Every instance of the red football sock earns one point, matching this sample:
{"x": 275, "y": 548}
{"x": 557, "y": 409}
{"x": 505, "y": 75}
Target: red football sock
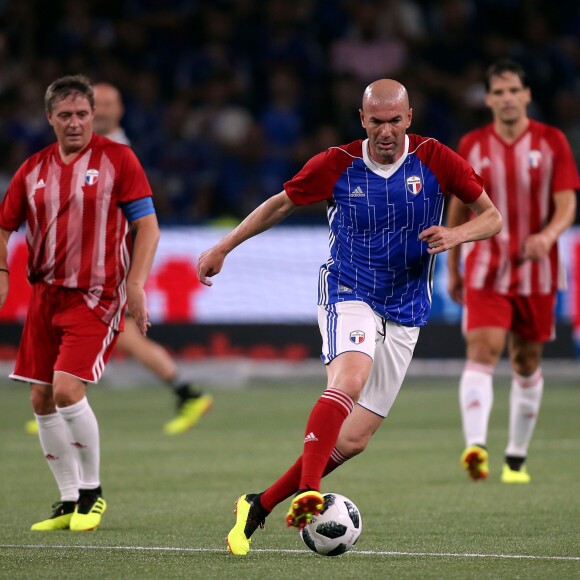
{"x": 322, "y": 431}
{"x": 282, "y": 488}
{"x": 289, "y": 483}
{"x": 336, "y": 405}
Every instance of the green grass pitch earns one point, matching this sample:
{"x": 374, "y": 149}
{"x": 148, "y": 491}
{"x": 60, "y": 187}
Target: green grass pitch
{"x": 170, "y": 499}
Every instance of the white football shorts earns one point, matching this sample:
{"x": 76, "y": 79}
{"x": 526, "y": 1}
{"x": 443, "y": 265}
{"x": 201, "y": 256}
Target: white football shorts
{"x": 353, "y": 326}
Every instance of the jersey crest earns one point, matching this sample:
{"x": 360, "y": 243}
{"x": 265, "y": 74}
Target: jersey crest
{"x": 91, "y": 176}
{"x": 414, "y": 184}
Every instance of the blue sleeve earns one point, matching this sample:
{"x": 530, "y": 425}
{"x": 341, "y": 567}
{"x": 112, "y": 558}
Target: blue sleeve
{"x": 138, "y": 208}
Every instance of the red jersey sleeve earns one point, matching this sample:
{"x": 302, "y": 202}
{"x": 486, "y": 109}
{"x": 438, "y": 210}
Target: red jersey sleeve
{"x": 565, "y": 174}
{"x": 316, "y": 180}
{"x": 13, "y": 206}
{"x": 133, "y": 183}
{"x": 312, "y": 183}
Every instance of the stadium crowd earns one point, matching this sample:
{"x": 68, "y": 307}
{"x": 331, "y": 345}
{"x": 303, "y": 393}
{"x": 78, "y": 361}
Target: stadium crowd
{"x": 225, "y": 100}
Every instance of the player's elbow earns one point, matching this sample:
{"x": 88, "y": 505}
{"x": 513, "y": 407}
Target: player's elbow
{"x": 493, "y": 222}
{"x": 497, "y": 222}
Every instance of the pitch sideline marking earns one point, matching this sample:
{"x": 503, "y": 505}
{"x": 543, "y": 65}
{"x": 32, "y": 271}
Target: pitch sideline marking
{"x": 276, "y": 551}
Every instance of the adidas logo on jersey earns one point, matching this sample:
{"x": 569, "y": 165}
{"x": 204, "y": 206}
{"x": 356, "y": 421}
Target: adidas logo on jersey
{"x": 40, "y": 183}
{"x": 357, "y": 192}
{"x": 310, "y": 438}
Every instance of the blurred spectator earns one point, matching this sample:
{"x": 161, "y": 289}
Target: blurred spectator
{"x": 367, "y": 51}
{"x": 227, "y": 127}
{"x": 282, "y": 121}
{"x": 213, "y": 52}
{"x": 452, "y": 59}
{"x": 343, "y": 105}
{"x": 550, "y": 68}
{"x": 182, "y": 168}
{"x": 403, "y": 19}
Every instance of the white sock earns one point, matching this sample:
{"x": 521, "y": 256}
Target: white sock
{"x": 84, "y": 436}
{"x": 475, "y": 401}
{"x": 525, "y": 399}
{"x": 60, "y": 456}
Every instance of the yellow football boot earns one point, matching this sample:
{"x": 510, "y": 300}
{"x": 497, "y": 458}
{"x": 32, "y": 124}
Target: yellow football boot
{"x": 475, "y": 461}
{"x": 512, "y": 476}
{"x": 60, "y": 518}
{"x": 250, "y": 515}
{"x": 304, "y": 505}
{"x": 88, "y": 513}
{"x": 189, "y": 414}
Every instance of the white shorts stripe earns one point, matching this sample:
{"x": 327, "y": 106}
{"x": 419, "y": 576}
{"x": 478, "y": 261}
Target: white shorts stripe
{"x": 99, "y": 365}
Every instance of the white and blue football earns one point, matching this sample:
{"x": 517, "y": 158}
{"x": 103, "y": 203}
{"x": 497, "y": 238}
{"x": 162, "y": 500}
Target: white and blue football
{"x": 336, "y": 529}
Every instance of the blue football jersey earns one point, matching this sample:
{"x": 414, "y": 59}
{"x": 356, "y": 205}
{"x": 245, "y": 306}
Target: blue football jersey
{"x": 375, "y": 214}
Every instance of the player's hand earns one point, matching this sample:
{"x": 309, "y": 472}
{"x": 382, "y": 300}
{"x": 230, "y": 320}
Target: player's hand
{"x": 455, "y": 285}
{"x": 209, "y": 264}
{"x": 137, "y": 305}
{"x": 538, "y": 246}
{"x": 4, "y": 287}
{"x": 440, "y": 239}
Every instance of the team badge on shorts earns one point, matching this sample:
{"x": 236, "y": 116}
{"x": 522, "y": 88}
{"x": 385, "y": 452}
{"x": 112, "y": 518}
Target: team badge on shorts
{"x": 414, "y": 184}
{"x": 91, "y": 176}
{"x": 357, "y": 336}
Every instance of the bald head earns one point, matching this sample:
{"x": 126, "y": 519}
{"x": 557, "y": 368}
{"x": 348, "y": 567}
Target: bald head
{"x": 386, "y": 116}
{"x": 108, "y": 108}
{"x": 385, "y": 91}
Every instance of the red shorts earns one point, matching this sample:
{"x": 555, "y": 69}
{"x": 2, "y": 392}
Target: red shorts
{"x": 62, "y": 333}
{"x": 530, "y": 317}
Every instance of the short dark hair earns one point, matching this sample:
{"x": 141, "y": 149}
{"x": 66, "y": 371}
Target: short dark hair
{"x": 502, "y": 66}
{"x": 63, "y": 87}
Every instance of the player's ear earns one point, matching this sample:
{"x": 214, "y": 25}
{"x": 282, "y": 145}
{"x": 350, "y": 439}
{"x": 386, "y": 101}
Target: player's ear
{"x": 409, "y": 117}
{"x": 362, "y": 118}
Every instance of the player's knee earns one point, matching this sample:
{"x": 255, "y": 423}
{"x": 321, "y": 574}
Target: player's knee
{"x": 67, "y": 390}
{"x": 65, "y": 397}
{"x": 352, "y": 384}
{"x": 485, "y": 354}
{"x": 42, "y": 401}
{"x": 525, "y": 358}
{"x": 525, "y": 366}
{"x": 352, "y": 446}
{"x": 349, "y": 372}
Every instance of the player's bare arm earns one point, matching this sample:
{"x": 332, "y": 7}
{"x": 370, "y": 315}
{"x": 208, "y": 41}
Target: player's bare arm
{"x": 4, "y": 276}
{"x": 266, "y": 215}
{"x": 487, "y": 223}
{"x": 146, "y": 232}
{"x": 457, "y": 213}
{"x": 539, "y": 245}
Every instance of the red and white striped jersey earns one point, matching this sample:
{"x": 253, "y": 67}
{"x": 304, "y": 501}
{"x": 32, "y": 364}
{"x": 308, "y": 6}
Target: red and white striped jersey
{"x": 76, "y": 231}
{"x": 521, "y": 179}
